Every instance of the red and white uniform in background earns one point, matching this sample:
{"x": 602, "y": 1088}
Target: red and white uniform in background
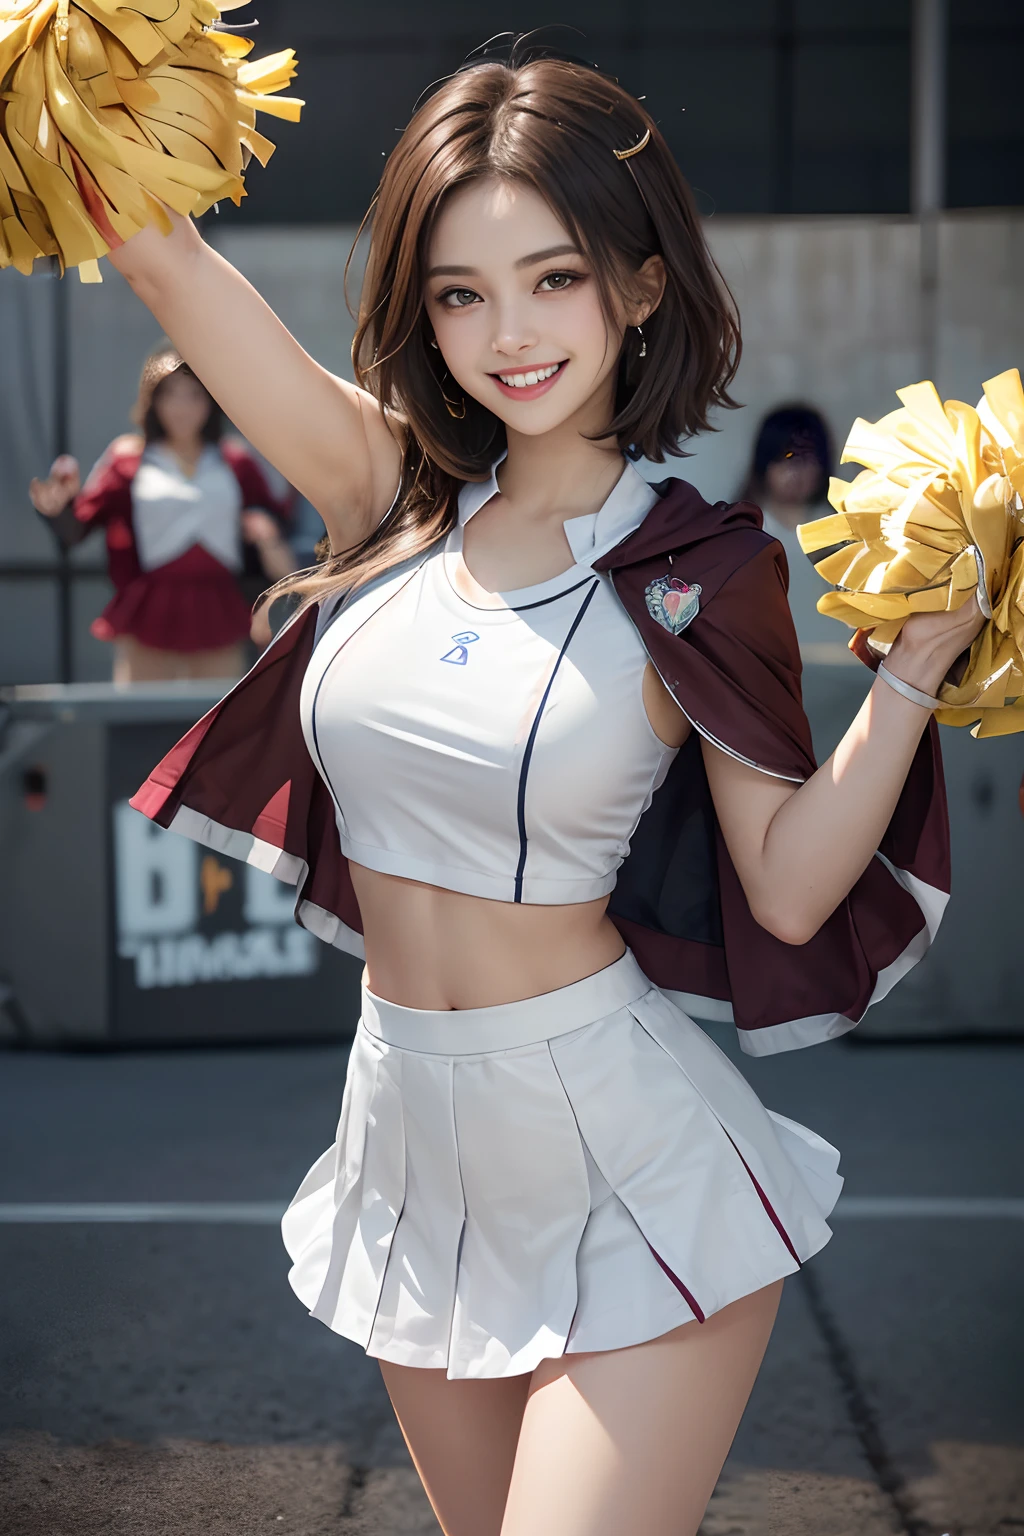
{"x": 174, "y": 542}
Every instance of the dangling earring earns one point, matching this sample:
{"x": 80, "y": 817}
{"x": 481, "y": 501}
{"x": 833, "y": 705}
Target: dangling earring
{"x": 643, "y": 344}
{"x": 458, "y": 411}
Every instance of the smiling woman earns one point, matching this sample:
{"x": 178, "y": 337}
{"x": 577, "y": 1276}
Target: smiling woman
{"x": 534, "y": 746}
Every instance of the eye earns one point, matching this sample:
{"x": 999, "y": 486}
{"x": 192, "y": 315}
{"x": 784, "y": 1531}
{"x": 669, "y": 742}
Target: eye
{"x": 457, "y": 298}
{"x": 557, "y": 282}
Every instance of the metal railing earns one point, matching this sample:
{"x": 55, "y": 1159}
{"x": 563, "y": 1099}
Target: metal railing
{"x": 63, "y": 573}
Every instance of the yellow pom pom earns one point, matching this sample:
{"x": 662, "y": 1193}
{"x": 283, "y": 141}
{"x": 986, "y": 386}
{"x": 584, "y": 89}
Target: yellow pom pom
{"x": 935, "y": 517}
{"x": 114, "y": 110}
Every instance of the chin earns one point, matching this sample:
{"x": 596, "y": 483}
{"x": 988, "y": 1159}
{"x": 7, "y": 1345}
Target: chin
{"x": 535, "y": 422}
{"x": 532, "y": 427}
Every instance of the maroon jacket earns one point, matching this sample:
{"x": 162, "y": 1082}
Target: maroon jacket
{"x": 242, "y": 782}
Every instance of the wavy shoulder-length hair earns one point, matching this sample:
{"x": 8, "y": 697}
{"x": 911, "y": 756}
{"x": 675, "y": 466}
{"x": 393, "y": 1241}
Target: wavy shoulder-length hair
{"x": 557, "y": 127}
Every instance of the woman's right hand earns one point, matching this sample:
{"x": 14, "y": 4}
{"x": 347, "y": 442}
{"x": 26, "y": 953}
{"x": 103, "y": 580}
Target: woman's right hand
{"x": 62, "y": 484}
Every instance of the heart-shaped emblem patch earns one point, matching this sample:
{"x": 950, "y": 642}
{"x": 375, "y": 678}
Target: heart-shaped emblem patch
{"x": 672, "y": 602}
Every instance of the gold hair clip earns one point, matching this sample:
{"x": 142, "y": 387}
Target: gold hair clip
{"x": 627, "y": 154}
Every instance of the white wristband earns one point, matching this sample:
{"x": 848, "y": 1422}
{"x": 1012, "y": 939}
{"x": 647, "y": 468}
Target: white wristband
{"x": 908, "y": 690}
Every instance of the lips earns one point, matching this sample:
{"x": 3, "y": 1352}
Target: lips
{"x": 544, "y": 380}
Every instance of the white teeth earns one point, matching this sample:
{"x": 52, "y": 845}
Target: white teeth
{"x": 524, "y": 380}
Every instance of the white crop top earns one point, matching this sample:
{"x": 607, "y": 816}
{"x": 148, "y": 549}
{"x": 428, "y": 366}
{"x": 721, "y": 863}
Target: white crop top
{"x": 502, "y": 751}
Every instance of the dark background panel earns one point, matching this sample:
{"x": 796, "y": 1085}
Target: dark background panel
{"x": 772, "y": 106}
{"x": 326, "y": 169}
{"x": 984, "y": 13}
{"x": 986, "y": 120}
{"x": 469, "y": 23}
{"x": 716, "y": 103}
{"x": 851, "y": 127}
{"x": 852, "y": 16}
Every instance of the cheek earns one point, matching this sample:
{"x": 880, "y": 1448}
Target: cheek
{"x": 463, "y": 346}
{"x": 776, "y": 479}
{"x": 585, "y": 328}
{"x": 193, "y": 413}
{"x": 458, "y": 330}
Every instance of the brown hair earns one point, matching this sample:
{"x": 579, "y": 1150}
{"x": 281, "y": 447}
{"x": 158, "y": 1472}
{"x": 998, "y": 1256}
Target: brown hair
{"x": 555, "y": 126}
{"x": 158, "y": 367}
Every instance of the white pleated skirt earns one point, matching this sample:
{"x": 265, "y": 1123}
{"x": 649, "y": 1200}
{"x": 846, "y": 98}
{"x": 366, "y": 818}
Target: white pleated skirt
{"x": 583, "y": 1170}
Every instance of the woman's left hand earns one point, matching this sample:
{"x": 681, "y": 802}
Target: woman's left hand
{"x": 276, "y": 555}
{"x": 259, "y": 528}
{"x": 929, "y": 643}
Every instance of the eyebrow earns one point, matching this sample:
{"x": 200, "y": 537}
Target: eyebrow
{"x": 524, "y": 261}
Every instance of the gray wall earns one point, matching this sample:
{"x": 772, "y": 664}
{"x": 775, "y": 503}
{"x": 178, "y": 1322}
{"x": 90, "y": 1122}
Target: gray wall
{"x": 831, "y": 314}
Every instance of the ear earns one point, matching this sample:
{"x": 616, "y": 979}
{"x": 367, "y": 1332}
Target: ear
{"x": 649, "y": 283}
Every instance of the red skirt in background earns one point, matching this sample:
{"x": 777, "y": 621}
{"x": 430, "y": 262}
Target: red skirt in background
{"x": 191, "y": 604}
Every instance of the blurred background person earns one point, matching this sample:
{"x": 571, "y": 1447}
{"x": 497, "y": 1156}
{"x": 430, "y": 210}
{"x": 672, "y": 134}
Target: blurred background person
{"x": 189, "y": 521}
{"x": 788, "y": 479}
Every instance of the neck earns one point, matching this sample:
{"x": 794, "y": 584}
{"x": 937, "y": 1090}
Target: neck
{"x": 561, "y": 474}
{"x": 185, "y": 447}
{"x": 786, "y": 513}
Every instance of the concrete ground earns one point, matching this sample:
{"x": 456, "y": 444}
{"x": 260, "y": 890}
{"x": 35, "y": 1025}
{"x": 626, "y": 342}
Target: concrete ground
{"x": 159, "y": 1377}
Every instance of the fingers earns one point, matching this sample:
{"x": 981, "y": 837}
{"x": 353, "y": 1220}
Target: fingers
{"x": 45, "y": 499}
{"x": 259, "y": 527}
{"x": 52, "y": 495}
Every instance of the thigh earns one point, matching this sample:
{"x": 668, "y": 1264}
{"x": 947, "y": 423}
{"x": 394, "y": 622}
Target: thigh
{"x": 634, "y": 1439}
{"x": 462, "y": 1437}
{"x": 137, "y": 663}
{"x": 225, "y": 661}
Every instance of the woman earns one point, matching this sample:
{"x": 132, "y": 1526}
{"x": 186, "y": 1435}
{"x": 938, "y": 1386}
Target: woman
{"x": 534, "y": 705}
{"x": 788, "y": 479}
{"x": 184, "y": 511}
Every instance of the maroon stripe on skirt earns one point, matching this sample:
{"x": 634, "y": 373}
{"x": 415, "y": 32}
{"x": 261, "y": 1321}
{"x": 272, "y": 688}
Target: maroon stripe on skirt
{"x": 776, "y": 1223}
{"x": 680, "y": 1287}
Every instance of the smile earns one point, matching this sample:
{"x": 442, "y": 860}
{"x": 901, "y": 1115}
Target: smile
{"x": 528, "y": 383}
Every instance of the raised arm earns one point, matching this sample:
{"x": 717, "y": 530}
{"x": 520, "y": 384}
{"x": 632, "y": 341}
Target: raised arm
{"x": 328, "y": 438}
{"x": 799, "y": 852}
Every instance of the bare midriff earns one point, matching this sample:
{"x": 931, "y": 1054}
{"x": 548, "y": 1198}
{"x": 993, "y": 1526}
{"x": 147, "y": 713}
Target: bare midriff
{"x": 431, "y": 948}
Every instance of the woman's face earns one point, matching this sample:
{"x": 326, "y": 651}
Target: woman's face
{"x": 517, "y": 314}
{"x": 182, "y": 407}
{"x": 793, "y": 481}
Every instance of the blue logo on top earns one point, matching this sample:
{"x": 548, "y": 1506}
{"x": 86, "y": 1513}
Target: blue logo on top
{"x": 459, "y": 655}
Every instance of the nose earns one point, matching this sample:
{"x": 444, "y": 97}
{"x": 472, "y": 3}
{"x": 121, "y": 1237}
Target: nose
{"x": 513, "y": 332}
